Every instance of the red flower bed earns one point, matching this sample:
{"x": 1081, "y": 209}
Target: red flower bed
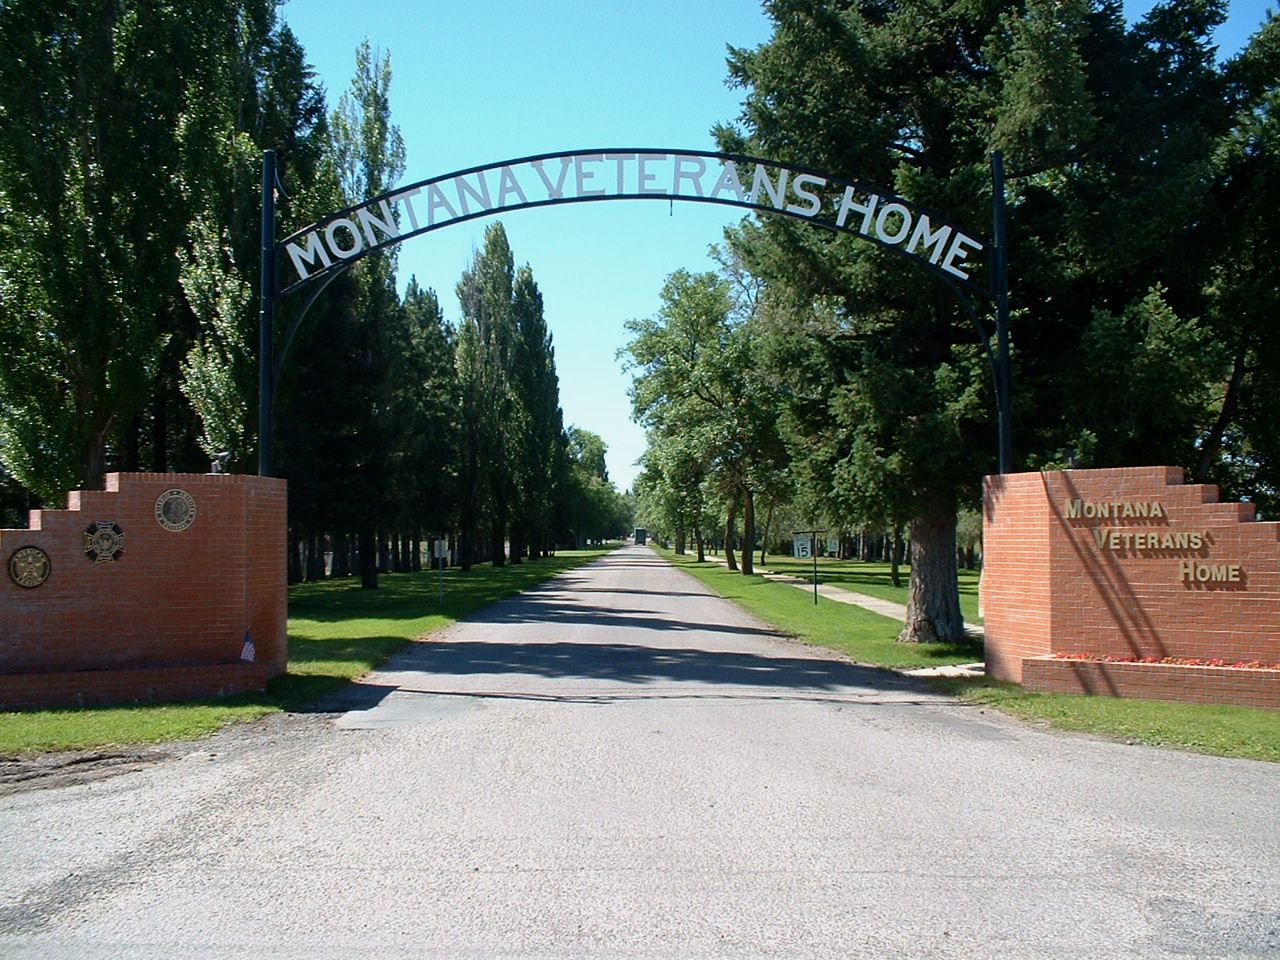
{"x": 1179, "y": 661}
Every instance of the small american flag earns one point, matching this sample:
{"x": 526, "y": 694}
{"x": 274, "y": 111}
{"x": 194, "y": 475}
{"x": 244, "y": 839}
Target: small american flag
{"x": 247, "y": 652}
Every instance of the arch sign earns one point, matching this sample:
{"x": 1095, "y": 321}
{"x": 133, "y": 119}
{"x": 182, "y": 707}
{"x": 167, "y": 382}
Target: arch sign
{"x": 325, "y": 249}
{"x": 631, "y": 174}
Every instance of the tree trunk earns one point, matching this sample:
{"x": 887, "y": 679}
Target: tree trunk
{"x": 383, "y": 548}
{"x": 415, "y": 553}
{"x": 499, "y": 543}
{"x": 1211, "y": 445}
{"x": 748, "y": 531}
{"x": 131, "y": 458}
{"x": 315, "y": 557}
{"x": 295, "y": 558}
{"x": 341, "y": 555}
{"x": 702, "y": 545}
{"x": 764, "y": 536}
{"x": 517, "y": 545}
{"x": 680, "y": 543}
{"x": 729, "y": 530}
{"x": 368, "y": 546}
{"x": 933, "y": 607}
{"x": 466, "y": 548}
{"x": 896, "y": 557}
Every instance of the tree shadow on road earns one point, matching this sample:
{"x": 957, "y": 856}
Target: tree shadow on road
{"x": 644, "y": 671}
{"x": 565, "y": 611}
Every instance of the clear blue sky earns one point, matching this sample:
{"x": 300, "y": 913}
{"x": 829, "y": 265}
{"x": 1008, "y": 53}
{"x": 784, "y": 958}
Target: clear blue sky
{"x": 490, "y": 80}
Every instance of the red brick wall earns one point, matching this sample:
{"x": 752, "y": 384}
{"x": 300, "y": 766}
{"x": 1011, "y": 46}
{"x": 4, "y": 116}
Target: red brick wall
{"x": 1015, "y": 575}
{"x": 171, "y": 600}
{"x": 90, "y": 688}
{"x": 1049, "y": 587}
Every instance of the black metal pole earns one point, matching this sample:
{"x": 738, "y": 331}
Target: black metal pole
{"x": 1000, "y": 283}
{"x": 266, "y": 311}
{"x": 813, "y": 549}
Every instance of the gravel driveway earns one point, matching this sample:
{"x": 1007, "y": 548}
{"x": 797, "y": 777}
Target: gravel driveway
{"x": 619, "y": 764}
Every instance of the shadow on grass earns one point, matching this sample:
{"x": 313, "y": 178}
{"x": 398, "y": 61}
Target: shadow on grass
{"x": 410, "y": 595}
{"x": 871, "y": 578}
{"x": 866, "y": 636}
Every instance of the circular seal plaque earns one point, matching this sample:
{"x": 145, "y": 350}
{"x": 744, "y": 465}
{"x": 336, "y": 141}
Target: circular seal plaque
{"x": 29, "y": 567}
{"x": 103, "y": 541}
{"x": 175, "y": 510}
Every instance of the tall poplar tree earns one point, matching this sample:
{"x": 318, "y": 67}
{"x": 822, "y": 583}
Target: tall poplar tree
{"x": 536, "y": 398}
{"x": 367, "y": 156}
{"x": 93, "y": 211}
{"x": 487, "y": 341}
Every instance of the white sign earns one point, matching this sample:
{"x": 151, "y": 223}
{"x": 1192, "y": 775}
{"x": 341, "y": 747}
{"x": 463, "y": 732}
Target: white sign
{"x": 803, "y": 548}
{"x": 833, "y": 546}
{"x": 440, "y": 549}
{"x": 386, "y": 220}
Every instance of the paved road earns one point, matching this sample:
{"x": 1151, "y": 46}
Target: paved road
{"x": 619, "y": 765}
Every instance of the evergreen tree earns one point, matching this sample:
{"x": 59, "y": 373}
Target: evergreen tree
{"x": 1109, "y": 132}
{"x": 487, "y": 341}
{"x": 425, "y": 414}
{"x": 367, "y": 157}
{"x": 537, "y": 402}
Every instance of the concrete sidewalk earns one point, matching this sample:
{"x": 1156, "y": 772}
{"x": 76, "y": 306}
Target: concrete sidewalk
{"x": 886, "y": 608}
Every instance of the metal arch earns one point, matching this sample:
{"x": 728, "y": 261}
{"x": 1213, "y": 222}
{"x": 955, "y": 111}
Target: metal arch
{"x": 736, "y": 158}
{"x": 297, "y": 322}
{"x": 996, "y": 293}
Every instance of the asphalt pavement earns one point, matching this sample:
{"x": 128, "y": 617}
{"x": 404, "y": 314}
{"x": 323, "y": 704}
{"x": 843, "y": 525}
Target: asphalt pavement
{"x": 621, "y": 765}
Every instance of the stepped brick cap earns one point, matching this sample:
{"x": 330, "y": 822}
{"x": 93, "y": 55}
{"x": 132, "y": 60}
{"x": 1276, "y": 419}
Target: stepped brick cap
{"x": 182, "y": 594}
{"x": 1125, "y": 562}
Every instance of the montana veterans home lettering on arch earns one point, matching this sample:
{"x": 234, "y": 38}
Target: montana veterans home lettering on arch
{"x": 315, "y": 255}
{"x": 840, "y": 205}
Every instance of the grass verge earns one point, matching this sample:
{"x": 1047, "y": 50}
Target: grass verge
{"x": 872, "y": 579}
{"x": 860, "y": 634}
{"x": 1222, "y": 730}
{"x": 336, "y": 633}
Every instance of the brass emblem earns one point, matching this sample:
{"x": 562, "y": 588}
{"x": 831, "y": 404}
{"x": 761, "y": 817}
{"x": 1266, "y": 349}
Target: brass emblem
{"x": 29, "y": 567}
{"x": 175, "y": 510}
{"x": 103, "y": 541}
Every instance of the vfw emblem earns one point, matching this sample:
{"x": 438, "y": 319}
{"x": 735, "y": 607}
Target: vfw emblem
{"x": 103, "y": 541}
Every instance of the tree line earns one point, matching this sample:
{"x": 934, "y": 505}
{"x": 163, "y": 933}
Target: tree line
{"x": 130, "y": 154}
{"x": 819, "y": 375}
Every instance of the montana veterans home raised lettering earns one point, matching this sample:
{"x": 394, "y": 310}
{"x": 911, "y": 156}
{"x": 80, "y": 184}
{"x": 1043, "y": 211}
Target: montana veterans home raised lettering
{"x": 839, "y": 205}
{"x": 1127, "y": 540}
{"x": 1083, "y": 593}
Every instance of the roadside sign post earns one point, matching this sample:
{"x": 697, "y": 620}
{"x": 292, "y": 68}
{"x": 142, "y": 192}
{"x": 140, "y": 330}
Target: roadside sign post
{"x": 440, "y": 549}
{"x": 808, "y": 548}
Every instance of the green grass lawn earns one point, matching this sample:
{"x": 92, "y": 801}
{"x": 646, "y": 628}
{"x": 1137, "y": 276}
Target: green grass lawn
{"x": 1227, "y": 731}
{"x": 336, "y": 632}
{"x": 1221, "y": 729}
{"x": 872, "y": 579}
{"x": 860, "y": 634}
